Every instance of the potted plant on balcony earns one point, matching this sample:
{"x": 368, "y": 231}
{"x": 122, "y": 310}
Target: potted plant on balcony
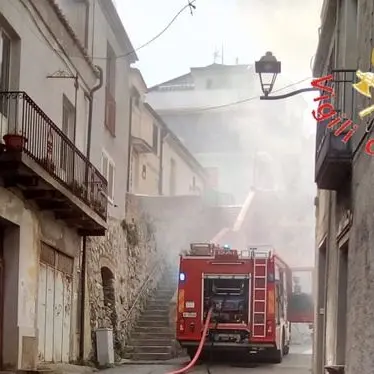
{"x": 14, "y": 141}
{"x": 98, "y": 206}
{"x": 77, "y": 187}
{"x": 48, "y": 164}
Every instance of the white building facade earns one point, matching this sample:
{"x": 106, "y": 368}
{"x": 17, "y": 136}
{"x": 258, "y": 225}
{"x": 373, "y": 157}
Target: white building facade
{"x": 65, "y": 121}
{"x": 160, "y": 163}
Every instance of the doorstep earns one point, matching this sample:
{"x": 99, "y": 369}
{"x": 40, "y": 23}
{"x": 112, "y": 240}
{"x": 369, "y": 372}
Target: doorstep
{"x": 335, "y": 369}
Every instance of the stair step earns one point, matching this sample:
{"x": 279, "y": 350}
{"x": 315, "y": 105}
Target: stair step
{"x": 152, "y": 305}
{"x": 158, "y": 324}
{"x": 160, "y": 300}
{"x": 148, "y": 356}
{"x": 151, "y": 342}
{"x": 152, "y": 330}
{"x": 162, "y": 296}
{"x": 157, "y": 308}
{"x": 148, "y": 349}
{"x": 152, "y": 335}
{"x": 155, "y": 313}
{"x": 153, "y": 318}
{"x": 170, "y": 288}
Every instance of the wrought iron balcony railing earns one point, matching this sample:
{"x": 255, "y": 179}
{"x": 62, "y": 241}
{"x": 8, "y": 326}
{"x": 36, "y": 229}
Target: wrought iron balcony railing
{"x": 46, "y": 144}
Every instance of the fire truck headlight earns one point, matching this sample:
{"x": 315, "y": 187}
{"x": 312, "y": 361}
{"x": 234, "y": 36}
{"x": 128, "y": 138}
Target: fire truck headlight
{"x": 182, "y": 277}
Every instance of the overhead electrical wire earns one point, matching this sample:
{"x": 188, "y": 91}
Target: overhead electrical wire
{"x": 190, "y": 5}
{"x": 207, "y": 108}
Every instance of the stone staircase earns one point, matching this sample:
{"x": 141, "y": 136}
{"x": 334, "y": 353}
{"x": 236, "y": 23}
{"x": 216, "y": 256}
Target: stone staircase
{"x": 152, "y": 338}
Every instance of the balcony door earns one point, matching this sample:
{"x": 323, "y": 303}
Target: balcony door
{"x": 67, "y": 156}
{"x": 4, "y": 82}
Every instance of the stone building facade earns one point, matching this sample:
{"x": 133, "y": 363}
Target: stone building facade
{"x": 344, "y": 205}
{"x": 47, "y": 204}
{"x": 123, "y": 269}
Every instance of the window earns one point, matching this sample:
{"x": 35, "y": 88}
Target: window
{"x": 110, "y": 91}
{"x": 155, "y": 139}
{"x": 135, "y": 97}
{"x": 111, "y": 70}
{"x": 108, "y": 170}
{"x": 4, "y": 67}
{"x": 68, "y": 128}
{"x": 172, "y": 181}
{"x": 79, "y": 17}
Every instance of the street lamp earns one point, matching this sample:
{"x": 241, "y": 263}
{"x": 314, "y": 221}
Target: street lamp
{"x": 268, "y": 67}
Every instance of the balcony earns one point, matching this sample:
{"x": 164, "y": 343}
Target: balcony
{"x": 140, "y": 145}
{"x": 48, "y": 168}
{"x": 333, "y": 162}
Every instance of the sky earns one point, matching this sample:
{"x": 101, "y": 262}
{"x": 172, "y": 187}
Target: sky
{"x": 246, "y": 29}
{"x": 243, "y": 29}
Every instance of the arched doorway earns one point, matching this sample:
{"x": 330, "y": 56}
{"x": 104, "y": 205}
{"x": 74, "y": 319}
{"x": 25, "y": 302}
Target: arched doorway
{"x": 108, "y": 282}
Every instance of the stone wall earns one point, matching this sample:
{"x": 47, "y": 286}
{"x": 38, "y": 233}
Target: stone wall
{"x": 135, "y": 251}
{"x": 122, "y": 265}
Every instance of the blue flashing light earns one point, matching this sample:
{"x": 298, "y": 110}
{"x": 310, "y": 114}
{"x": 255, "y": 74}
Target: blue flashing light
{"x": 182, "y": 277}
{"x": 226, "y": 247}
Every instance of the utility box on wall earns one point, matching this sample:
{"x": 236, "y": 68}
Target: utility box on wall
{"x": 104, "y": 346}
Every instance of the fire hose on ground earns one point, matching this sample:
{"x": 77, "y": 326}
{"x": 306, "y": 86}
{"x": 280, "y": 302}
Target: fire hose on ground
{"x": 199, "y": 349}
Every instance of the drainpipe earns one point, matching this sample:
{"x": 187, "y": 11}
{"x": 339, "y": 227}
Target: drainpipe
{"x": 84, "y": 242}
{"x": 129, "y": 148}
{"x": 161, "y": 170}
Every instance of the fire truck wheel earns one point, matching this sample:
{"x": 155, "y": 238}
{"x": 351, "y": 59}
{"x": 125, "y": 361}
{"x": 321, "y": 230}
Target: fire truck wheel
{"x": 191, "y": 352}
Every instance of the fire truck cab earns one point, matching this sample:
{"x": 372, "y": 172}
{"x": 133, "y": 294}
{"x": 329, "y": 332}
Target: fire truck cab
{"x": 249, "y": 292}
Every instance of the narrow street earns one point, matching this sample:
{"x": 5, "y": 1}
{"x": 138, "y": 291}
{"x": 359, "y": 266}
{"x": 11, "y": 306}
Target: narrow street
{"x": 297, "y": 362}
{"x": 170, "y": 186}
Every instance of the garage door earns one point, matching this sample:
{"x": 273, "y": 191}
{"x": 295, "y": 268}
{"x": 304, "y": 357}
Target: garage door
{"x": 54, "y": 305}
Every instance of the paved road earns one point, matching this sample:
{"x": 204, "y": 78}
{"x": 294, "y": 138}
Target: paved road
{"x": 297, "y": 362}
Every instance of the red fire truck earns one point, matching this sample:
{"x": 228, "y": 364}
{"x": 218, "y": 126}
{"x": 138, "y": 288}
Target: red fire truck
{"x": 249, "y": 292}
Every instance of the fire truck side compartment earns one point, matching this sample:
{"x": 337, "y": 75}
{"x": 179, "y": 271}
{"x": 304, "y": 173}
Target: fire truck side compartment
{"x": 230, "y": 296}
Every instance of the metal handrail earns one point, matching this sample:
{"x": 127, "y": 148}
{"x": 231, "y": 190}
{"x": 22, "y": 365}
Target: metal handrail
{"x": 141, "y": 291}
